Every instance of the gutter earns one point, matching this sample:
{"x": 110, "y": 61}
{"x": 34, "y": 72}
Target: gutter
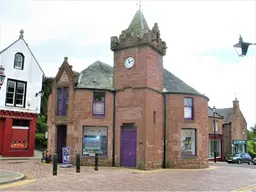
{"x": 114, "y": 129}
{"x": 164, "y": 154}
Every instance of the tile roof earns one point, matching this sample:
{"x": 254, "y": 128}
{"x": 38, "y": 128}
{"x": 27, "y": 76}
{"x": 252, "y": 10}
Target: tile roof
{"x": 99, "y": 75}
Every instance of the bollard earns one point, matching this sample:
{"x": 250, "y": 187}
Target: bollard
{"x": 96, "y": 162}
{"x": 78, "y": 163}
{"x": 54, "y": 163}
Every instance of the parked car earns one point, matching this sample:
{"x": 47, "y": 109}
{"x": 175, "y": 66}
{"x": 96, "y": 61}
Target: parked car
{"x": 240, "y": 158}
{"x": 254, "y": 161}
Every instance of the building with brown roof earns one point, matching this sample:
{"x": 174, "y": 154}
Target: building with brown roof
{"x": 135, "y": 114}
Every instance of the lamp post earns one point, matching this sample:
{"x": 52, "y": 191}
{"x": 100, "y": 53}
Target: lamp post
{"x": 214, "y": 132}
{"x": 242, "y": 47}
{"x": 2, "y": 75}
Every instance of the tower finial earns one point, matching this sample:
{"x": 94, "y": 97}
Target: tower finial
{"x": 235, "y": 96}
{"x": 21, "y": 33}
{"x": 139, "y": 4}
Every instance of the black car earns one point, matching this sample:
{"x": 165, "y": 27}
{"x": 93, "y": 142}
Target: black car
{"x": 240, "y": 158}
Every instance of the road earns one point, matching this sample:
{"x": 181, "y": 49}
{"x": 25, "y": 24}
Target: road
{"x": 243, "y": 165}
{"x": 219, "y": 177}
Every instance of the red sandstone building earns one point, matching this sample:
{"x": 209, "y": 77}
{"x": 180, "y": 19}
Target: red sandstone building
{"x": 19, "y": 99}
{"x": 136, "y": 114}
{"x": 231, "y": 134}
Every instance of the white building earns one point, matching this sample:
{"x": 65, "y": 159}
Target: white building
{"x": 20, "y": 99}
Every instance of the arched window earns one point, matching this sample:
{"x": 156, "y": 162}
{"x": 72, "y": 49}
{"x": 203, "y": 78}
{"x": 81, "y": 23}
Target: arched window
{"x": 19, "y": 61}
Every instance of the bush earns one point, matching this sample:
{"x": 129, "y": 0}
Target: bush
{"x": 252, "y": 148}
{"x": 40, "y": 141}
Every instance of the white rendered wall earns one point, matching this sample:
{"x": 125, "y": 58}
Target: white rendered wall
{"x": 31, "y": 73}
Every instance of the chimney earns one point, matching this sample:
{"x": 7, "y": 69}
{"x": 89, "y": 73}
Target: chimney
{"x": 235, "y": 104}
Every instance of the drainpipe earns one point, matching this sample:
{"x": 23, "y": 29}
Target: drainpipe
{"x": 114, "y": 129}
{"x": 164, "y": 155}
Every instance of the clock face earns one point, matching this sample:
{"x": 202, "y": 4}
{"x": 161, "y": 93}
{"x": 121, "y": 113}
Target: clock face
{"x": 129, "y": 62}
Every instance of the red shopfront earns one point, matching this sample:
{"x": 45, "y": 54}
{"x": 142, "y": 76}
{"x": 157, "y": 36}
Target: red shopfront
{"x": 17, "y": 133}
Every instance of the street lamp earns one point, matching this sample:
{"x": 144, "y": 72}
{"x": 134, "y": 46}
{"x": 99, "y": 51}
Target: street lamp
{"x": 214, "y": 132}
{"x": 242, "y": 47}
{"x": 2, "y": 75}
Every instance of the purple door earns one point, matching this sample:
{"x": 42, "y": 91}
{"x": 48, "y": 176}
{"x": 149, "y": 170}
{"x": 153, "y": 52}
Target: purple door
{"x": 128, "y": 142}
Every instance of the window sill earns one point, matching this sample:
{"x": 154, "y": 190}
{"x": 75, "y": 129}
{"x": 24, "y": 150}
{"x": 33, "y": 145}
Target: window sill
{"x": 188, "y": 157}
{"x": 98, "y": 116}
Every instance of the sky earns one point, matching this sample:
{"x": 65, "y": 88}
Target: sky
{"x": 199, "y": 34}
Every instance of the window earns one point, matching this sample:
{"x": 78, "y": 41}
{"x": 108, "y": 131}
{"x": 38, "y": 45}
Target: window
{"x": 188, "y": 108}
{"x": 154, "y": 117}
{"x": 216, "y": 125}
{"x": 98, "y": 103}
{"x": 20, "y": 134}
{"x": 211, "y": 148}
{"x": 95, "y": 141}
{"x": 62, "y": 101}
{"x": 18, "y": 61}
{"x": 15, "y": 93}
{"x": 188, "y": 142}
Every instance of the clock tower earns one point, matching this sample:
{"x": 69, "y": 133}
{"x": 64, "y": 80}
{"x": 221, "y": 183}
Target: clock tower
{"x": 138, "y": 82}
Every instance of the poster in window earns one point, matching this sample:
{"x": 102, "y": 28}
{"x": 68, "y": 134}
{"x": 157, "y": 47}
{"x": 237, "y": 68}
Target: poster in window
{"x": 98, "y": 108}
{"x": 188, "y": 142}
{"x": 95, "y": 141}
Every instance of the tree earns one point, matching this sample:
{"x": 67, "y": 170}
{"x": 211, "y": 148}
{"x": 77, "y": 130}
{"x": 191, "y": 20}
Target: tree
{"x": 41, "y": 124}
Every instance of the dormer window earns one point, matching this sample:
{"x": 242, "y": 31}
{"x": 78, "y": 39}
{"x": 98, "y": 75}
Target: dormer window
{"x": 19, "y": 61}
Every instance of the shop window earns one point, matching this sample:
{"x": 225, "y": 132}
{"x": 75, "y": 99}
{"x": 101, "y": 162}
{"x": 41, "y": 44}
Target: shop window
{"x": 98, "y": 103}
{"x": 188, "y": 108}
{"x": 20, "y": 134}
{"x": 95, "y": 141}
{"x": 16, "y": 93}
{"x": 62, "y": 101}
{"x": 188, "y": 142}
{"x": 211, "y": 148}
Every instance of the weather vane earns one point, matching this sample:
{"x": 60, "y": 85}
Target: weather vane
{"x": 139, "y": 4}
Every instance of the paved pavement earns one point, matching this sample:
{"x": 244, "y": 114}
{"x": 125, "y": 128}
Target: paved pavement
{"x": 10, "y": 176}
{"x": 218, "y": 178}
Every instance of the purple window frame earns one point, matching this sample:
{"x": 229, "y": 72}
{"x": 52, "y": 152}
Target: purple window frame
{"x": 99, "y": 102}
{"x": 189, "y": 106}
{"x": 62, "y": 101}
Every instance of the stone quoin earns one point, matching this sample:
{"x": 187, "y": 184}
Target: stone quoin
{"x": 135, "y": 114}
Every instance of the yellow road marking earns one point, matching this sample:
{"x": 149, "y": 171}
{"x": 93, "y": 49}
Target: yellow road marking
{"x": 251, "y": 187}
{"x": 16, "y": 184}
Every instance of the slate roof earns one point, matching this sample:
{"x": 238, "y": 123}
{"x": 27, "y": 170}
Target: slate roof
{"x": 99, "y": 75}
{"x": 227, "y": 113}
{"x": 210, "y": 113}
{"x": 138, "y": 23}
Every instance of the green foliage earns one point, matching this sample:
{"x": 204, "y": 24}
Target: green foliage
{"x": 40, "y": 141}
{"x": 251, "y": 136}
{"x": 47, "y": 89}
{"x": 41, "y": 124}
{"x": 252, "y": 148}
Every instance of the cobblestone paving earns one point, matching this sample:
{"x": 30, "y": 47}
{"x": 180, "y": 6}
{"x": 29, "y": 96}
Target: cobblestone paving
{"x": 223, "y": 178}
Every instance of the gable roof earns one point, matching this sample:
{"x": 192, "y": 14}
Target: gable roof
{"x": 210, "y": 113}
{"x": 99, "y": 75}
{"x": 28, "y": 49}
{"x": 227, "y": 113}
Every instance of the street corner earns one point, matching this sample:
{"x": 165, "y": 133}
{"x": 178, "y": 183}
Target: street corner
{"x": 200, "y": 169}
{"x": 245, "y": 189}
{"x": 26, "y": 180}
